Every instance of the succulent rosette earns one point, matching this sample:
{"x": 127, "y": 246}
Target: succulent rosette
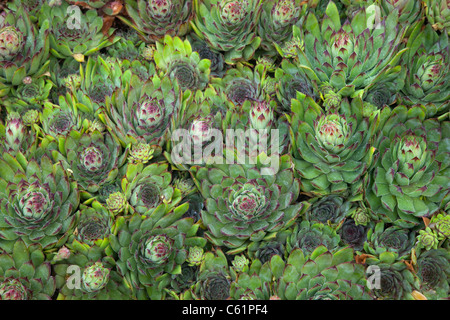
{"x": 94, "y": 158}
{"x": 205, "y": 52}
{"x": 214, "y": 278}
{"x": 136, "y": 58}
{"x": 331, "y": 210}
{"x": 241, "y": 84}
{"x": 433, "y": 270}
{"x": 58, "y": 120}
{"x": 276, "y": 21}
{"x": 393, "y": 239}
{"x": 229, "y": 26}
{"x": 126, "y": 50}
{"x": 437, "y": 13}
{"x": 242, "y": 205}
{"x": 94, "y": 226}
{"x": 290, "y": 83}
{"x": 24, "y": 48}
{"x": 254, "y": 284}
{"x": 143, "y": 113}
{"x": 393, "y": 285}
{"x": 153, "y": 248}
{"x": 254, "y": 131}
{"x": 353, "y": 235}
{"x": 89, "y": 274}
{"x": 156, "y": 18}
{"x": 31, "y": 93}
{"x": 440, "y": 223}
{"x": 264, "y": 251}
{"x": 196, "y": 132}
{"x": 427, "y": 239}
{"x": 38, "y": 203}
{"x": 321, "y": 275}
{"x": 25, "y": 274}
{"x": 99, "y": 79}
{"x": 389, "y": 279}
{"x": 427, "y": 63}
{"x": 181, "y": 283}
{"x": 332, "y": 151}
{"x": 16, "y": 137}
{"x": 74, "y": 33}
{"x": 176, "y": 59}
{"x": 308, "y": 236}
{"x": 146, "y": 188}
{"x": 410, "y": 179}
{"x": 183, "y": 182}
{"x": 195, "y": 256}
{"x": 382, "y": 97}
{"x": 350, "y": 56}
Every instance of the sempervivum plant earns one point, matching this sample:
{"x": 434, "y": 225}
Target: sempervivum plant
{"x": 16, "y": 137}
{"x": 427, "y": 63}
{"x": 176, "y": 60}
{"x": 440, "y": 223}
{"x": 25, "y": 274}
{"x": 38, "y": 202}
{"x": 59, "y": 120}
{"x": 93, "y": 228}
{"x": 321, "y": 275}
{"x": 147, "y": 188}
{"x": 229, "y": 26}
{"x": 332, "y": 150}
{"x": 427, "y": 239}
{"x": 153, "y": 248}
{"x": 197, "y": 126}
{"x": 433, "y": 270}
{"x": 31, "y": 93}
{"x": 276, "y": 21}
{"x": 90, "y": 274}
{"x": 24, "y": 49}
{"x": 244, "y": 204}
{"x": 353, "y": 234}
{"x": 393, "y": 239}
{"x": 410, "y": 178}
{"x": 330, "y": 209}
{"x": 205, "y": 52}
{"x": 214, "y": 278}
{"x": 308, "y": 236}
{"x": 291, "y": 82}
{"x": 156, "y": 18}
{"x": 94, "y": 158}
{"x": 394, "y": 281}
{"x": 256, "y": 131}
{"x": 438, "y": 14}
{"x": 143, "y": 113}
{"x": 350, "y": 56}
{"x": 99, "y": 79}
{"x": 74, "y": 33}
{"x": 241, "y": 83}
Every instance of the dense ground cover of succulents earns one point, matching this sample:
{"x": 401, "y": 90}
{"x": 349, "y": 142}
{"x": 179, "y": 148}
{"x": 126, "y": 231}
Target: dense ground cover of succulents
{"x": 97, "y": 202}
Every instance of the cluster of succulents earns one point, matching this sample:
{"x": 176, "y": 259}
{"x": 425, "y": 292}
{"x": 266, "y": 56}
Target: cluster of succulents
{"x": 225, "y": 149}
